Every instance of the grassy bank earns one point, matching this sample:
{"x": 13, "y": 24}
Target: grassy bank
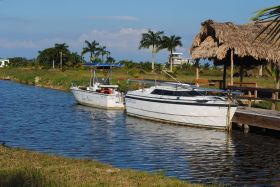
{"x": 25, "y": 168}
{"x": 57, "y": 79}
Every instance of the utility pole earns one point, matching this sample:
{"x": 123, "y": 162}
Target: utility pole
{"x": 53, "y": 63}
{"x": 60, "y": 59}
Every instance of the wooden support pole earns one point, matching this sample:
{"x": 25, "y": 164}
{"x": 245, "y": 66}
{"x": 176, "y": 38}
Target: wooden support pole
{"x": 256, "y": 91}
{"x": 197, "y": 69}
{"x": 229, "y": 122}
{"x": 273, "y": 106}
{"x": 246, "y": 128}
{"x": 261, "y": 70}
{"x": 225, "y": 76}
{"x": 231, "y": 66}
{"x": 275, "y": 95}
{"x": 249, "y": 100}
{"x": 241, "y": 72}
{"x": 277, "y": 79}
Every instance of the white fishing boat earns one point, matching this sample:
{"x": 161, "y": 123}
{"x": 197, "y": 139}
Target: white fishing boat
{"x": 180, "y": 104}
{"x": 100, "y": 93}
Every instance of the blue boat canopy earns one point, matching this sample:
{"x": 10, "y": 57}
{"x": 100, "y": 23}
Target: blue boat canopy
{"x": 104, "y": 65}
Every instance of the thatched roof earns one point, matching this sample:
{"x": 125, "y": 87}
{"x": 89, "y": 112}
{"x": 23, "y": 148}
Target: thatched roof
{"x": 215, "y": 41}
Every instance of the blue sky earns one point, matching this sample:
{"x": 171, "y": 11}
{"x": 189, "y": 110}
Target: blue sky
{"x": 28, "y": 26}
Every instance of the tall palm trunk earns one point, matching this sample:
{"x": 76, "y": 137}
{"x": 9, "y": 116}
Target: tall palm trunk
{"x": 170, "y": 61}
{"x": 153, "y": 59}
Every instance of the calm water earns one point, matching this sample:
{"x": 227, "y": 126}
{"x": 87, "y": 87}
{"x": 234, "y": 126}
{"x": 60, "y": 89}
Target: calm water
{"x": 50, "y": 121}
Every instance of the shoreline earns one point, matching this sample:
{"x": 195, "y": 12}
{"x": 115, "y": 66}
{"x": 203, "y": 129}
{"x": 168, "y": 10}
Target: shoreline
{"x": 31, "y": 168}
{"x": 60, "y": 88}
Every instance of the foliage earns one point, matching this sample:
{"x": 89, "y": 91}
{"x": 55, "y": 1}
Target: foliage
{"x": 170, "y": 43}
{"x": 52, "y": 56}
{"x": 96, "y": 51}
{"x": 21, "y": 62}
{"x": 103, "y": 52}
{"x": 272, "y": 16}
{"x": 151, "y": 39}
{"x": 92, "y": 48}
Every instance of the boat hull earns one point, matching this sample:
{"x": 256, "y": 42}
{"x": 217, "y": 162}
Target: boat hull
{"x": 199, "y": 115}
{"x": 99, "y": 100}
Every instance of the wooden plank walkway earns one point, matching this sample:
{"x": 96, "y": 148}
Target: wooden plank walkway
{"x": 267, "y": 119}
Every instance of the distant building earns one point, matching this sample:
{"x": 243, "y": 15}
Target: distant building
{"x": 4, "y": 62}
{"x": 177, "y": 59}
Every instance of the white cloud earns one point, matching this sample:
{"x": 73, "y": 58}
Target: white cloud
{"x": 123, "y": 43}
{"x": 114, "y": 18}
{"x": 125, "y": 38}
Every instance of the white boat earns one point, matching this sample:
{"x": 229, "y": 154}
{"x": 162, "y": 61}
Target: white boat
{"x": 180, "y": 104}
{"x": 100, "y": 93}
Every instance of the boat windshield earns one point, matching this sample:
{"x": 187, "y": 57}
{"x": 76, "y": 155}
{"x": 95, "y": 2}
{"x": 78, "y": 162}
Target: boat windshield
{"x": 184, "y": 93}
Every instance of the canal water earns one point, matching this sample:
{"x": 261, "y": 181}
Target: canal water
{"x": 50, "y": 121}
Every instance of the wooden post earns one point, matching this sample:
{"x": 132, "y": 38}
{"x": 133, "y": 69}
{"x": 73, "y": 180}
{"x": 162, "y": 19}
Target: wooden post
{"x": 273, "y": 107}
{"x": 231, "y": 66}
{"x": 225, "y": 76}
{"x": 197, "y": 70}
{"x": 241, "y": 72}
{"x": 229, "y": 122}
{"x": 277, "y": 79}
{"x": 261, "y": 70}
{"x": 249, "y": 100}
{"x": 246, "y": 128}
{"x": 275, "y": 95}
{"x": 256, "y": 91}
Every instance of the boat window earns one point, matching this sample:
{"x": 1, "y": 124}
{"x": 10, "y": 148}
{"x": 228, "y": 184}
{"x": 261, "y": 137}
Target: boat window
{"x": 177, "y": 93}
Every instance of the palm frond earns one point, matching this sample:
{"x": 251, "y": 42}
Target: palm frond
{"x": 270, "y": 16}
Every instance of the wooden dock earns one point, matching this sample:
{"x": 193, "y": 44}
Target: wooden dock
{"x": 266, "y": 119}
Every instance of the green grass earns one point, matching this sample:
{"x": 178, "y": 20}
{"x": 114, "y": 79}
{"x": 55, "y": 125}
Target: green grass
{"x": 58, "y": 79}
{"x": 265, "y": 105}
{"x": 26, "y": 168}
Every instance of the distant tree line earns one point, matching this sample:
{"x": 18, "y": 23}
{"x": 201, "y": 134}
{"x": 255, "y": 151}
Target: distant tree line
{"x": 59, "y": 56}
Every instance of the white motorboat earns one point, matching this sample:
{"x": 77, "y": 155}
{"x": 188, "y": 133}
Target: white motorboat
{"x": 180, "y": 104}
{"x": 100, "y": 93}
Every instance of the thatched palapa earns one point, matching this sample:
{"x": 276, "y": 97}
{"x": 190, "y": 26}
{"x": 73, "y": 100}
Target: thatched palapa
{"x": 216, "y": 40}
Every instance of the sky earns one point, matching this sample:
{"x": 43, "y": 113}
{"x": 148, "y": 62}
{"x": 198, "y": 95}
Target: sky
{"x": 28, "y": 26}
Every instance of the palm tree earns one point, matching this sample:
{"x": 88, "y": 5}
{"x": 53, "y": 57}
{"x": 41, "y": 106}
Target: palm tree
{"x": 151, "y": 39}
{"x": 61, "y": 47}
{"x": 272, "y": 16}
{"x": 61, "y": 52}
{"x": 110, "y": 60}
{"x": 104, "y": 52}
{"x": 92, "y": 48}
{"x": 170, "y": 43}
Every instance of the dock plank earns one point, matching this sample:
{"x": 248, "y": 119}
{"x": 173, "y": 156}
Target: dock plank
{"x": 267, "y": 119}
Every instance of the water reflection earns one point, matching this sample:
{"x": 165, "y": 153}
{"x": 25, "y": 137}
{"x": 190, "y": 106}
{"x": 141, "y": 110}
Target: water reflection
{"x": 50, "y": 121}
{"x": 190, "y": 153}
